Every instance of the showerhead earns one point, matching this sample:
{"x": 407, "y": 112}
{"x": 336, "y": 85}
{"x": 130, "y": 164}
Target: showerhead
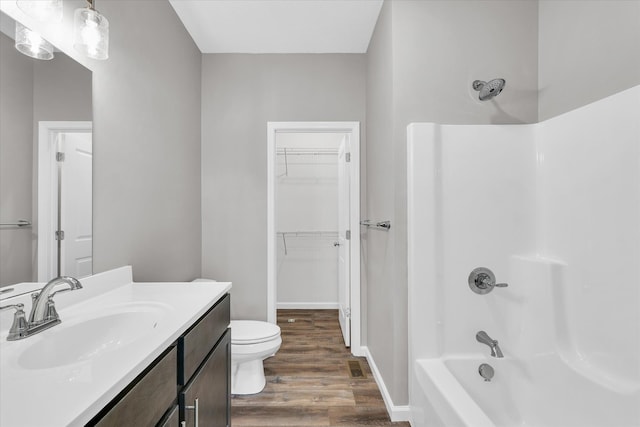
{"x": 489, "y": 89}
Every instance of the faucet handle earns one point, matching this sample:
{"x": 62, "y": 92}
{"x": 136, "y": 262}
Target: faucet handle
{"x": 482, "y": 281}
{"x": 19, "y": 326}
{"x": 51, "y": 313}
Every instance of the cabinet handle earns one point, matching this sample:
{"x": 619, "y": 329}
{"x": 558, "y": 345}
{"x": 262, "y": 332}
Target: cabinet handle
{"x": 195, "y": 409}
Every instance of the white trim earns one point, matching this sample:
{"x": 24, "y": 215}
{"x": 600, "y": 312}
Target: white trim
{"x": 271, "y": 223}
{"x": 308, "y": 305}
{"x": 396, "y": 412}
{"x": 352, "y": 128}
{"x": 47, "y": 191}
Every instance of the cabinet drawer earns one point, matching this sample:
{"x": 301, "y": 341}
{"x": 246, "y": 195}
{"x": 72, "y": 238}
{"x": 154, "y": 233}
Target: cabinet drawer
{"x": 147, "y": 401}
{"x": 198, "y": 342}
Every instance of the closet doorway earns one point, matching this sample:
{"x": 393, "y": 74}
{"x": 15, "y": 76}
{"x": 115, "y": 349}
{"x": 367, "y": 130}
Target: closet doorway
{"x": 313, "y": 221}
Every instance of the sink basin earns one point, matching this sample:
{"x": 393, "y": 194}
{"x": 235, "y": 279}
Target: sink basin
{"x": 89, "y": 336}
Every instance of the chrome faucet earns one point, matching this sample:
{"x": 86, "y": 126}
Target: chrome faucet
{"x": 43, "y": 311}
{"x": 484, "y": 338}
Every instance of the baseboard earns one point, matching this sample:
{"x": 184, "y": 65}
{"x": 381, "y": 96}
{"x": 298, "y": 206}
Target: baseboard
{"x": 308, "y": 305}
{"x": 396, "y": 412}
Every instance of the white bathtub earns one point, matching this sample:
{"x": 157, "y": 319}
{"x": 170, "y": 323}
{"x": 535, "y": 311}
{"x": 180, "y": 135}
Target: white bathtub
{"x": 542, "y": 392}
{"x": 553, "y": 209}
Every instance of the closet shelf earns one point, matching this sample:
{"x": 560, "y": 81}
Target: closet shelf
{"x": 286, "y": 152}
{"x": 309, "y": 233}
{"x": 306, "y": 152}
{"x": 306, "y": 233}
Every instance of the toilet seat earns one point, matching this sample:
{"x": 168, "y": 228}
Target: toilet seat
{"x": 246, "y": 332}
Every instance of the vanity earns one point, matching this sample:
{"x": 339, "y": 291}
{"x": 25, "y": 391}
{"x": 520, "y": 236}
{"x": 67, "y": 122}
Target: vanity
{"x": 125, "y": 354}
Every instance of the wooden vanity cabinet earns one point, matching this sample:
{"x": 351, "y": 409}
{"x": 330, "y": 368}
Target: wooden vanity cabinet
{"x": 198, "y": 369}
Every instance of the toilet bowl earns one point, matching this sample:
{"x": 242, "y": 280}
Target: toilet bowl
{"x": 251, "y": 342}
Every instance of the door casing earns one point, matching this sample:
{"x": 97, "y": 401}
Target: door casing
{"x": 48, "y": 190}
{"x": 353, "y": 129}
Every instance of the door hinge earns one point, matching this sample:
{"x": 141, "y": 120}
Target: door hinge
{"x": 348, "y": 235}
{"x": 347, "y": 312}
{"x": 60, "y": 156}
{"x": 59, "y": 235}
{"x": 348, "y": 157}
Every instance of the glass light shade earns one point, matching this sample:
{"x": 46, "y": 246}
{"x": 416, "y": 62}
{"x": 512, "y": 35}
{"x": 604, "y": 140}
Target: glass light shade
{"x": 42, "y": 10}
{"x": 91, "y": 33}
{"x": 32, "y": 44}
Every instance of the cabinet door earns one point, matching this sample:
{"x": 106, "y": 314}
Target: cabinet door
{"x": 145, "y": 403}
{"x": 172, "y": 419}
{"x": 207, "y": 396}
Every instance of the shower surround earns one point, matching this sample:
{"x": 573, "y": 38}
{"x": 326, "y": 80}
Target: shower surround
{"x": 553, "y": 209}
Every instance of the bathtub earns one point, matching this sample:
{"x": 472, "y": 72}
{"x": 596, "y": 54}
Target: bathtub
{"x": 553, "y": 209}
{"x": 542, "y": 392}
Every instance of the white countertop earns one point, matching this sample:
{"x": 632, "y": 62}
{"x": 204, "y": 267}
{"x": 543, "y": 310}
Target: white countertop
{"x": 70, "y": 394}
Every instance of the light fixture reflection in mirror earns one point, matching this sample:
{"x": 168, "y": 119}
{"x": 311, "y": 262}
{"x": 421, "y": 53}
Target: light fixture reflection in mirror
{"x": 42, "y": 10}
{"x": 32, "y": 44}
{"x": 91, "y": 32}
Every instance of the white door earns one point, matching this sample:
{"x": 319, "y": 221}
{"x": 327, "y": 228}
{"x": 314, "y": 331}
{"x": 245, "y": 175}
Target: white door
{"x": 76, "y": 205}
{"x": 344, "y": 272}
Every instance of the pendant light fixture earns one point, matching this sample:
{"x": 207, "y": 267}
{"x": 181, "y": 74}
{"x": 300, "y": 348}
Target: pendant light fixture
{"x": 32, "y": 44}
{"x": 91, "y": 32}
{"x": 42, "y": 10}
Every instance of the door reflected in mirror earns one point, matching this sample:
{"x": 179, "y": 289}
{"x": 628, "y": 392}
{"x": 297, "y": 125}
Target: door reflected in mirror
{"x": 45, "y": 165}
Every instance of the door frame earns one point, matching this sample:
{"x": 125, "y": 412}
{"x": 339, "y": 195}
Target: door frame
{"x": 352, "y": 128}
{"x": 48, "y": 191}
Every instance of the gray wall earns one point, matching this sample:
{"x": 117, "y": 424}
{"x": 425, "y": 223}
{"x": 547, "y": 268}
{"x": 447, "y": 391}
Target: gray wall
{"x": 16, "y": 151}
{"x": 422, "y": 61}
{"x": 146, "y": 100}
{"x": 588, "y": 50}
{"x": 61, "y": 90}
{"x": 240, "y": 94}
{"x": 385, "y": 312}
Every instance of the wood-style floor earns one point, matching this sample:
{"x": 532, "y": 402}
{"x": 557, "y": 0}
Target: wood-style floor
{"x": 308, "y": 381}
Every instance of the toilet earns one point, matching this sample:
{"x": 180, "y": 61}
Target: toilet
{"x": 252, "y": 341}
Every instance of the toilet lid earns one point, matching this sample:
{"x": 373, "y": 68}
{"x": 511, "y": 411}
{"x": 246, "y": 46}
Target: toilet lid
{"x": 252, "y": 331}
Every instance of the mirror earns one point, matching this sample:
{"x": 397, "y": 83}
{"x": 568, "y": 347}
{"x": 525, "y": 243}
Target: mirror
{"x": 45, "y": 109}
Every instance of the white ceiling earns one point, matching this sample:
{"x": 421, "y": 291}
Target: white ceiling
{"x": 279, "y": 26}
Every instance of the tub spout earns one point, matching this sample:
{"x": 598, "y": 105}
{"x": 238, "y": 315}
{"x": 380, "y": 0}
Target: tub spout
{"x": 484, "y": 338}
